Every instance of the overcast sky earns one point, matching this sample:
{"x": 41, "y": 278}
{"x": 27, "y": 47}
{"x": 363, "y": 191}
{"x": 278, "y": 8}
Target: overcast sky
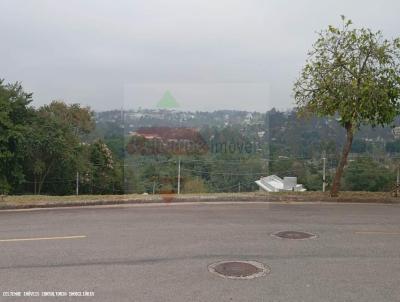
{"x": 100, "y": 53}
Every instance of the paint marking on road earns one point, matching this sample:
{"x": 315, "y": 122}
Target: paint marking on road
{"x": 43, "y": 238}
{"x": 377, "y": 233}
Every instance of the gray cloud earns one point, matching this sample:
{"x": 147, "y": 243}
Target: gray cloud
{"x": 91, "y": 51}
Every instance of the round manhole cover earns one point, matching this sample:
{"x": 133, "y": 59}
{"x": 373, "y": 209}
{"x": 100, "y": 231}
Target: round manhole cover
{"x": 294, "y": 235}
{"x": 239, "y": 269}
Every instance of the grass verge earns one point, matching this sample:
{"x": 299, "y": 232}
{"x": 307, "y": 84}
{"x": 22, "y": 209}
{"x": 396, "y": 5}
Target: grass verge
{"x": 45, "y": 201}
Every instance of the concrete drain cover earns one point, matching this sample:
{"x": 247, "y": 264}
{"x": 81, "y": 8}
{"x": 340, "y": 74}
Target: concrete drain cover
{"x": 294, "y": 235}
{"x": 239, "y": 269}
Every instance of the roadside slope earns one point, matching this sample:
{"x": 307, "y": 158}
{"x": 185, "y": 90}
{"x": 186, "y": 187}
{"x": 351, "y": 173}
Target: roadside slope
{"x": 45, "y": 201}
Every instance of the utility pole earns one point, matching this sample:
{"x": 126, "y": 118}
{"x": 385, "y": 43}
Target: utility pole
{"x": 323, "y": 171}
{"x": 239, "y": 186}
{"x": 398, "y": 174}
{"x": 179, "y": 176}
{"x": 154, "y": 187}
{"x": 77, "y": 183}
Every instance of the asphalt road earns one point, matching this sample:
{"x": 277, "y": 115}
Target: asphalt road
{"x": 161, "y": 253}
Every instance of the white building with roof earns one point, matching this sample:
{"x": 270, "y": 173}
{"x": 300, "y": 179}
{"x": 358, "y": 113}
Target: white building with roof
{"x": 274, "y": 183}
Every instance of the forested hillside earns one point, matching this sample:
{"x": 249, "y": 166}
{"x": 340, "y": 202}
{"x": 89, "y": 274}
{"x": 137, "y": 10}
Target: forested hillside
{"x": 61, "y": 148}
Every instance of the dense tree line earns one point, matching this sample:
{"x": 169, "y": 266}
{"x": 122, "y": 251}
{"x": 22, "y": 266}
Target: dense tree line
{"x": 44, "y": 150}
{"x": 298, "y": 154}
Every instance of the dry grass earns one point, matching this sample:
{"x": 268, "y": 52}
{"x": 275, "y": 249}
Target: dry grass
{"x": 45, "y": 200}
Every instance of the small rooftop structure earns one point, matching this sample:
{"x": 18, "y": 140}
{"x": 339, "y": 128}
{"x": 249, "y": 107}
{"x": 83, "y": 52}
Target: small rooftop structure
{"x": 169, "y": 133}
{"x": 274, "y": 183}
{"x": 179, "y": 140}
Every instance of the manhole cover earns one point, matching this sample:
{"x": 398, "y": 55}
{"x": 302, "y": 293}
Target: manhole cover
{"x": 239, "y": 269}
{"x": 294, "y": 235}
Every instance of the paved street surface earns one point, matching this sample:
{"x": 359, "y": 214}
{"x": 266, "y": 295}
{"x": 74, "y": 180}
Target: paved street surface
{"x": 161, "y": 252}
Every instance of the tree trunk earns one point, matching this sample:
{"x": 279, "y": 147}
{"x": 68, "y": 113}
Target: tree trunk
{"x": 43, "y": 178}
{"x": 40, "y": 184}
{"x": 343, "y": 160}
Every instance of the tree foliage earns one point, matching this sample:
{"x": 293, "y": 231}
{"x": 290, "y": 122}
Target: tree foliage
{"x": 15, "y": 115}
{"x": 366, "y": 175}
{"x": 354, "y": 75}
{"x": 54, "y": 139}
{"x": 42, "y": 150}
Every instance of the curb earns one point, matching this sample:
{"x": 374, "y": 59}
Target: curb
{"x": 199, "y": 199}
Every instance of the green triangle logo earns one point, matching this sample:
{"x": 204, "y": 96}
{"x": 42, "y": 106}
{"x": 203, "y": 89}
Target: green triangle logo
{"x": 167, "y": 101}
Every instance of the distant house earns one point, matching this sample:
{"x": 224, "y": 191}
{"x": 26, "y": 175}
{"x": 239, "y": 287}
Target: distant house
{"x": 396, "y": 132}
{"x": 248, "y": 118}
{"x": 274, "y": 183}
{"x": 168, "y": 134}
{"x": 176, "y": 140}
